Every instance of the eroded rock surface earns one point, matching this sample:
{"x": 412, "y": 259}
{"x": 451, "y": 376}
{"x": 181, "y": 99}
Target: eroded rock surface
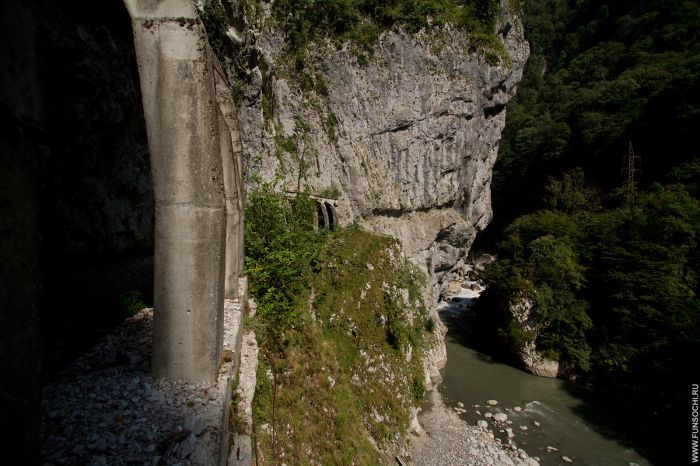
{"x": 406, "y": 141}
{"x": 533, "y": 361}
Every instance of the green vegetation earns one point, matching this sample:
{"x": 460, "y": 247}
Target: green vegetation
{"x": 282, "y": 249}
{"x": 602, "y": 74}
{"x": 216, "y": 24}
{"x": 338, "y": 314}
{"x": 329, "y": 193}
{"x": 130, "y": 303}
{"x": 361, "y": 21}
{"x": 614, "y": 284}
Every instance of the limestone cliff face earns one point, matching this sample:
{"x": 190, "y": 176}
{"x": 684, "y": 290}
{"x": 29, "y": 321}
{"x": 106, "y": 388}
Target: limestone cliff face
{"x": 406, "y": 141}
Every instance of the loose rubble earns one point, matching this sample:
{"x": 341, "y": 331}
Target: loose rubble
{"x": 448, "y": 440}
{"x": 241, "y": 453}
{"x": 107, "y": 409}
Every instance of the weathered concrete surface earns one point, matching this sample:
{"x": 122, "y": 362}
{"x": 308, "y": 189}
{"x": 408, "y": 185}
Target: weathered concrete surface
{"x": 241, "y": 453}
{"x": 232, "y": 158}
{"x": 195, "y": 178}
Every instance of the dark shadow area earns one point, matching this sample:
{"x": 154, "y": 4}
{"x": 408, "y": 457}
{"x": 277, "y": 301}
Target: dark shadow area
{"x": 106, "y": 407}
{"x": 654, "y": 428}
{"x": 473, "y": 329}
{"x": 319, "y": 216}
{"x": 96, "y": 196}
{"x": 331, "y": 216}
{"x": 463, "y": 324}
{"x": 76, "y": 202}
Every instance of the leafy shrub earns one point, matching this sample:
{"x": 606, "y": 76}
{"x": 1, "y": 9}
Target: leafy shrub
{"x": 361, "y": 21}
{"x": 130, "y": 303}
{"x": 281, "y": 250}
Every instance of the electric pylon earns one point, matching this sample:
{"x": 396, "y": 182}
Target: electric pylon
{"x": 633, "y": 161}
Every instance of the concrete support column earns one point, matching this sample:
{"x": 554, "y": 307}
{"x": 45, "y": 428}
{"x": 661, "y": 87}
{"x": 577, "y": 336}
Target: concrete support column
{"x": 182, "y": 121}
{"x": 326, "y": 223}
{"x": 232, "y": 160}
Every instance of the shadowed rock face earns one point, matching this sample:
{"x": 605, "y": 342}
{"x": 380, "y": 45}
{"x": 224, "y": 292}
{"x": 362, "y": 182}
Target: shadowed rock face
{"x": 415, "y": 136}
{"x": 76, "y": 202}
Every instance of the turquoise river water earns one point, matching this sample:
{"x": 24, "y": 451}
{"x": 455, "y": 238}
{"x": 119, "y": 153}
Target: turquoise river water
{"x": 471, "y": 377}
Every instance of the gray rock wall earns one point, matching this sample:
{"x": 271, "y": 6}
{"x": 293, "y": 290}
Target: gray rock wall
{"x": 407, "y": 141}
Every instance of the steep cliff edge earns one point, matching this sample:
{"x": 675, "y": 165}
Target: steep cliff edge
{"x": 405, "y": 140}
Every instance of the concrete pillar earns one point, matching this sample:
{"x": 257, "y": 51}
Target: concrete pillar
{"x": 232, "y": 160}
{"x": 182, "y": 121}
{"x": 326, "y": 223}
{"x": 332, "y": 220}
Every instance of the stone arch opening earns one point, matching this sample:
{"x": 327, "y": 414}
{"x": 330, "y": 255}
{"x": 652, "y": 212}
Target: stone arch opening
{"x": 331, "y": 216}
{"x": 320, "y": 217}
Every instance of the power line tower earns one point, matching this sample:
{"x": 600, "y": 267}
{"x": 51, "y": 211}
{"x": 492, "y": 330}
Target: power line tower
{"x": 633, "y": 161}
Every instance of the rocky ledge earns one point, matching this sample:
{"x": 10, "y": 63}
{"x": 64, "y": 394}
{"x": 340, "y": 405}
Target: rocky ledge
{"x": 106, "y": 408}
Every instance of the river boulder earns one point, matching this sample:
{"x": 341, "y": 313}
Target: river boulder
{"x": 533, "y": 361}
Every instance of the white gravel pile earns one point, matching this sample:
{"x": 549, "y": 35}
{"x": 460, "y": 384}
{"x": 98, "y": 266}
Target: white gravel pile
{"x": 448, "y": 440}
{"x": 106, "y": 408}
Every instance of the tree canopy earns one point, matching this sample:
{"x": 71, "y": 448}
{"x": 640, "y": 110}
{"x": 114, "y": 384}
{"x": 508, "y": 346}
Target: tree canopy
{"x": 614, "y": 283}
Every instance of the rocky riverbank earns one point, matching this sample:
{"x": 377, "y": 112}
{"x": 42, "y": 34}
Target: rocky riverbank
{"x": 449, "y": 440}
{"x": 445, "y": 438}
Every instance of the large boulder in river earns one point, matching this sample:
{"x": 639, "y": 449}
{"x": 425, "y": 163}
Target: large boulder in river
{"x": 533, "y": 361}
{"x": 454, "y": 288}
{"x": 500, "y": 417}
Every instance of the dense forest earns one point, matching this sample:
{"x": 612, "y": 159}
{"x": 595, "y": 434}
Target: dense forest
{"x": 608, "y": 260}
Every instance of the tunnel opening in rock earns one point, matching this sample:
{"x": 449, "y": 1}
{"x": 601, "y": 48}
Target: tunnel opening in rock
{"x": 331, "y": 216}
{"x": 320, "y": 217}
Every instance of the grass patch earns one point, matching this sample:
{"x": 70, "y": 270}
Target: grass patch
{"x": 341, "y": 356}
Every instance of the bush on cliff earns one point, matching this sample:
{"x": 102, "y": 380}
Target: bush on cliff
{"x": 342, "y": 326}
{"x": 541, "y": 264}
{"x": 361, "y": 21}
{"x": 281, "y": 251}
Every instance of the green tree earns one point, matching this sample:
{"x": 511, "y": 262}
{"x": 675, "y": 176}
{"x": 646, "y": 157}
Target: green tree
{"x": 281, "y": 250}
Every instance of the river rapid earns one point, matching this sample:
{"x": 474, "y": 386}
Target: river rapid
{"x": 550, "y": 414}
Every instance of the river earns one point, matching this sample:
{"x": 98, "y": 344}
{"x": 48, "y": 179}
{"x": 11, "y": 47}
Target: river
{"x": 472, "y": 377}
